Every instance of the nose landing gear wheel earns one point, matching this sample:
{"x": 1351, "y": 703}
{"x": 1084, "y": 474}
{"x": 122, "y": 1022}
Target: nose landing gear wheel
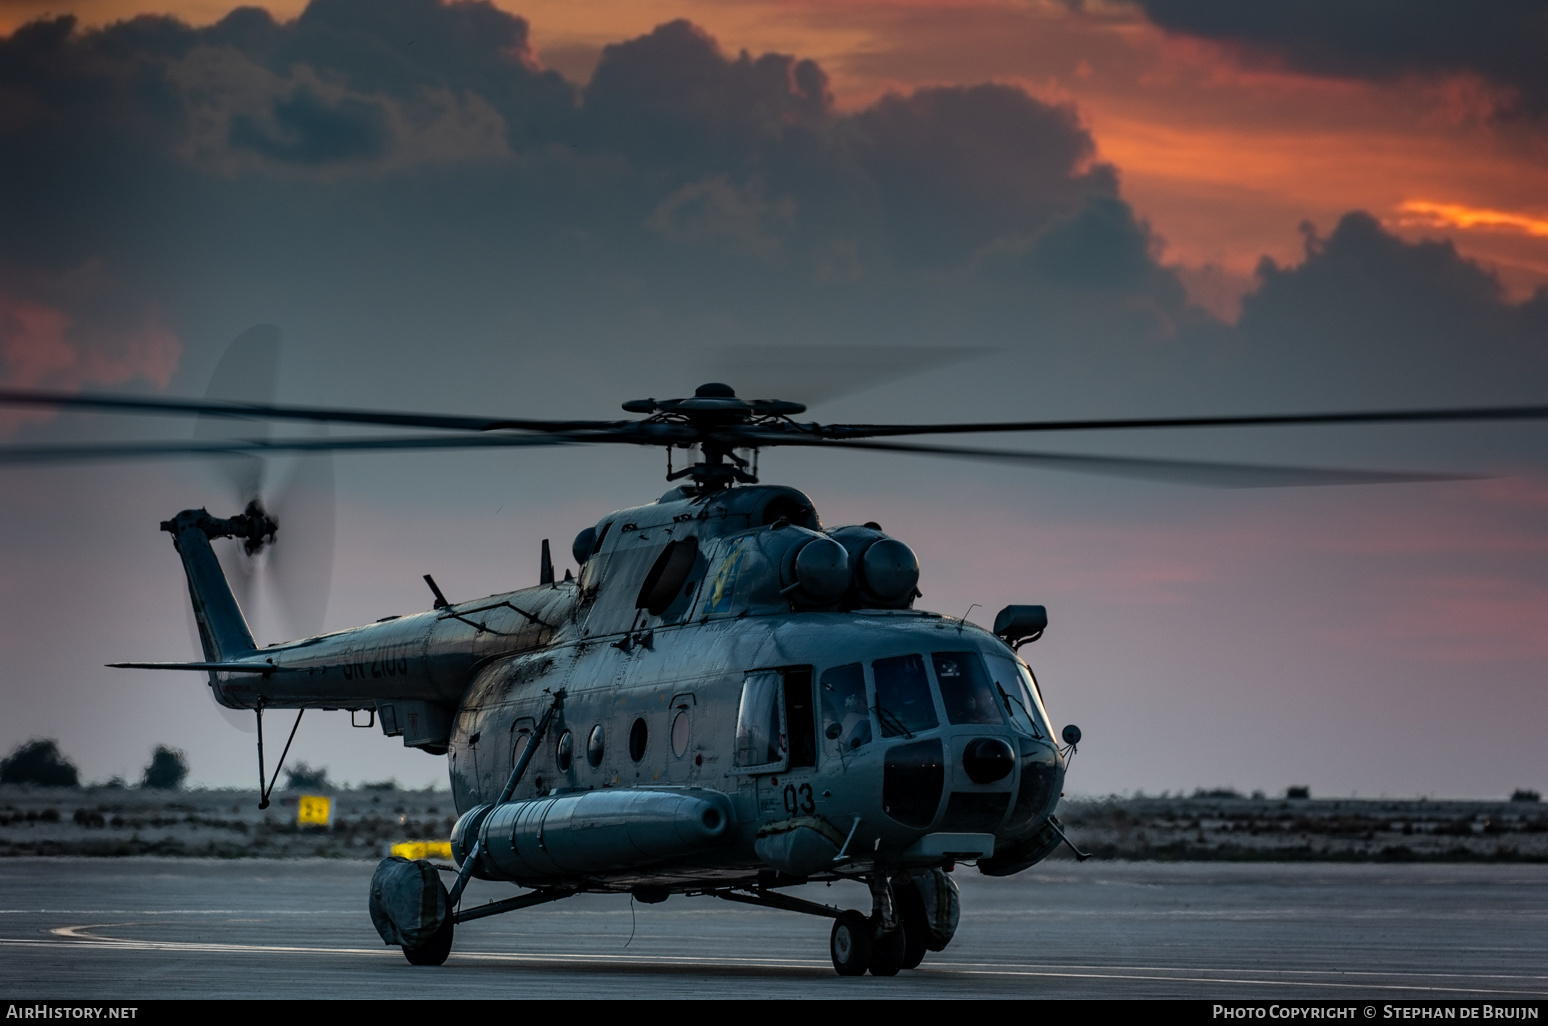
{"x": 434, "y": 951}
{"x": 850, "y": 944}
{"x": 888, "y": 952}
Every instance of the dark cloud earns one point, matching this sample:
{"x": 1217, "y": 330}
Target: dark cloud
{"x": 958, "y": 168}
{"x": 308, "y": 129}
{"x": 670, "y": 99}
{"x": 1368, "y": 317}
{"x": 1502, "y": 42}
{"x": 1101, "y": 246}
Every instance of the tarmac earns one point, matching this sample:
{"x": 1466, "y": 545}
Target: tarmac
{"x": 142, "y": 928}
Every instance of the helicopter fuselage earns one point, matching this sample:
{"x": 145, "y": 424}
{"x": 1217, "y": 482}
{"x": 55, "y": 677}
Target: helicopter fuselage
{"x": 722, "y": 647}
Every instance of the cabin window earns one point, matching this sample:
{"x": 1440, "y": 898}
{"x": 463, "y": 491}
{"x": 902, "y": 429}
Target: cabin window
{"x": 564, "y": 752}
{"x": 638, "y": 734}
{"x": 846, "y": 720}
{"x": 966, "y": 690}
{"x": 594, "y": 746}
{"x": 760, "y": 735}
{"x": 903, "y": 703}
{"x": 680, "y": 733}
{"x": 682, "y": 722}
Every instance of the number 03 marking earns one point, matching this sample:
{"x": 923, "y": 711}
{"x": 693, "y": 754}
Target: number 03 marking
{"x": 799, "y": 800}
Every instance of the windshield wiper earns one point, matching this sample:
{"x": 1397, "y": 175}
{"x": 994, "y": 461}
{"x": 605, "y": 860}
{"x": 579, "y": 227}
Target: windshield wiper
{"x": 890, "y": 722}
{"x": 1024, "y": 710}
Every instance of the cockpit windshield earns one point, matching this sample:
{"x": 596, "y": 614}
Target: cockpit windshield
{"x": 903, "y": 703}
{"x": 966, "y": 689}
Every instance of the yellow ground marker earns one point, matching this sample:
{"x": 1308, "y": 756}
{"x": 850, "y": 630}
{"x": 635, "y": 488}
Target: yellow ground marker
{"x": 314, "y": 810}
{"x": 415, "y": 850}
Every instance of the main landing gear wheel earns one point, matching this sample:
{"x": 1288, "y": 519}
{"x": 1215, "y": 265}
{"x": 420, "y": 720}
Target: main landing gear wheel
{"x": 434, "y": 951}
{"x": 888, "y": 952}
{"x": 850, "y": 944}
{"x": 915, "y": 925}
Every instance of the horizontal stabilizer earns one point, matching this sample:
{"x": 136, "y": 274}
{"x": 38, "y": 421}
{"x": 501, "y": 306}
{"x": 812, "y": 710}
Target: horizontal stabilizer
{"x": 226, "y": 667}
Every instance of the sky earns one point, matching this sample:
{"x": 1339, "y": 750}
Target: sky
{"x": 545, "y": 209}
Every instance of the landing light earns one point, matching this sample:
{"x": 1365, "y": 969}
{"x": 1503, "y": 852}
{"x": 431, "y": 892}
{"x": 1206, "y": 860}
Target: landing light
{"x": 1021, "y": 625}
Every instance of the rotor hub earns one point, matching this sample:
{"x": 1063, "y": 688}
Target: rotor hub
{"x": 715, "y": 418}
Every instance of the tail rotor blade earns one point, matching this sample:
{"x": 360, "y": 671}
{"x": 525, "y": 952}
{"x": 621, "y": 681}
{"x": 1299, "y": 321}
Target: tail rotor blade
{"x": 246, "y": 373}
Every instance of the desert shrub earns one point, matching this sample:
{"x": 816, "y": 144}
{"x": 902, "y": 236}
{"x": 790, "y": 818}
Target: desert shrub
{"x": 167, "y": 770}
{"x": 302, "y": 777}
{"x": 38, "y": 761}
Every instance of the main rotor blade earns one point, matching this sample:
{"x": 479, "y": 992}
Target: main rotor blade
{"x": 1453, "y": 415}
{"x": 271, "y": 411}
{"x": 1197, "y": 472}
{"x": 47, "y": 454}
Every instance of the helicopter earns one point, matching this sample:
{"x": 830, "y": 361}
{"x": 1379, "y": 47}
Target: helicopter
{"x": 729, "y": 699}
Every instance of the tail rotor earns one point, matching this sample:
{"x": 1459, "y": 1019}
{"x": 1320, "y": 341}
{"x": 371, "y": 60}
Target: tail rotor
{"x": 284, "y": 576}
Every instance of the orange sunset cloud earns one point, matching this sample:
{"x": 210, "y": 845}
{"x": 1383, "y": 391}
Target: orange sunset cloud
{"x": 1455, "y": 215}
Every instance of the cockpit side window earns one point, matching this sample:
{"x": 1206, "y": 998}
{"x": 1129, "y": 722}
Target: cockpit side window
{"x": 846, "y": 721}
{"x": 903, "y": 703}
{"x": 1019, "y": 702}
{"x": 966, "y": 690}
{"x": 1034, "y": 698}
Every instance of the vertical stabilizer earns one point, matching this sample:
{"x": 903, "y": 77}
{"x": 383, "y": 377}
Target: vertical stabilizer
{"x": 223, "y": 630}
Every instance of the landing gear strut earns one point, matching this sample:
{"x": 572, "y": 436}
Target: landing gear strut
{"x": 893, "y": 937}
{"x": 888, "y": 941}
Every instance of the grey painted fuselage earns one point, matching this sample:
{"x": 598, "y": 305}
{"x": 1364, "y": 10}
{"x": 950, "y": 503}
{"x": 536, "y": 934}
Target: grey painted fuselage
{"x": 658, "y": 647}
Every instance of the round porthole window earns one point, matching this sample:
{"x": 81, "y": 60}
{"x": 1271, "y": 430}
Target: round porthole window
{"x": 594, "y": 747}
{"x": 519, "y": 745}
{"x": 638, "y": 735}
{"x": 564, "y": 751}
{"x": 680, "y": 735}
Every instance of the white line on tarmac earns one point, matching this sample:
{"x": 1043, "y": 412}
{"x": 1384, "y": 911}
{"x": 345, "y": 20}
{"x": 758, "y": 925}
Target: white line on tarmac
{"x": 178, "y": 911}
{"x": 75, "y": 936}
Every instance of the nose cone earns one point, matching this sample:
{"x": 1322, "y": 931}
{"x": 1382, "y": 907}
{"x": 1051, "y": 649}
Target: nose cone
{"x": 988, "y": 759}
